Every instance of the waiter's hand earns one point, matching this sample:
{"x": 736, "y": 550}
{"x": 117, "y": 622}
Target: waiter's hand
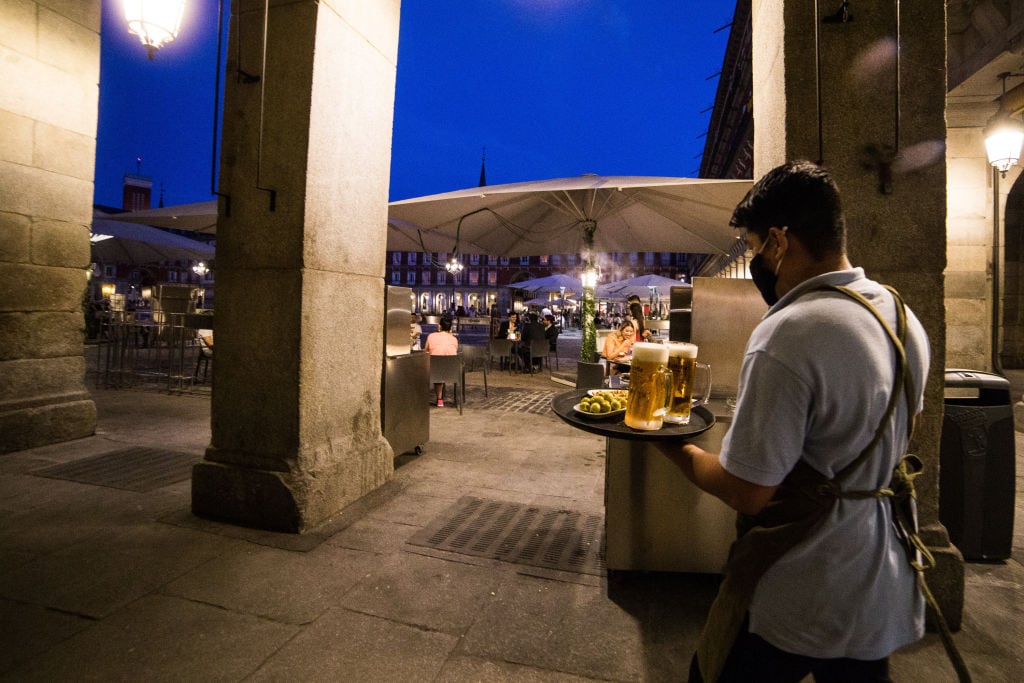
{"x": 703, "y": 469}
{"x": 680, "y": 452}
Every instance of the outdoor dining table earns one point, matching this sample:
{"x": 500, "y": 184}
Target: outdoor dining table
{"x": 655, "y": 518}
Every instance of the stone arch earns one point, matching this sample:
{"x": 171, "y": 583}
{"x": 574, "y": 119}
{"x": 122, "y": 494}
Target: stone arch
{"x": 1012, "y": 348}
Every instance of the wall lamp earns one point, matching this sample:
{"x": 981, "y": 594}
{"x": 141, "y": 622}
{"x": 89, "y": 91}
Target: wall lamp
{"x": 155, "y": 22}
{"x": 1004, "y": 135}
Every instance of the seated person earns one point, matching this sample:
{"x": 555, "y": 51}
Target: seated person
{"x": 551, "y": 332}
{"x": 532, "y": 330}
{"x": 617, "y": 346}
{"x": 415, "y": 331}
{"x": 442, "y": 343}
{"x": 509, "y": 329}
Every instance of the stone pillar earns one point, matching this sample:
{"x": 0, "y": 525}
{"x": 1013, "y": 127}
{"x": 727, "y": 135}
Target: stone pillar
{"x": 969, "y": 240}
{"x": 305, "y": 159}
{"x": 49, "y": 65}
{"x": 829, "y": 92}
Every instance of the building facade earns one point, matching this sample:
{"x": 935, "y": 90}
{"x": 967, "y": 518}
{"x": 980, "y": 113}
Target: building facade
{"x": 486, "y": 281}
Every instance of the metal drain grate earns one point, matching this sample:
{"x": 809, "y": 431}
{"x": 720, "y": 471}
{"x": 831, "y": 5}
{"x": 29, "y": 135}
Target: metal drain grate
{"x": 521, "y": 534}
{"x": 538, "y": 402}
{"x": 131, "y": 469}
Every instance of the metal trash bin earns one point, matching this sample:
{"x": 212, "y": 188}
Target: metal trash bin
{"x": 977, "y": 464}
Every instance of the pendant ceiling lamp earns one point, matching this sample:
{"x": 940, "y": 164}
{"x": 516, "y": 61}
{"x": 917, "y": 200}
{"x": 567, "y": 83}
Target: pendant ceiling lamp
{"x": 155, "y": 22}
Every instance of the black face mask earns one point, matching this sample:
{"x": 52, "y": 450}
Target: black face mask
{"x": 764, "y": 279}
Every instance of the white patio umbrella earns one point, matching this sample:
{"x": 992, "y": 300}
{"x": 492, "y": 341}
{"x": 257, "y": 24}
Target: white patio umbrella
{"x": 201, "y": 217}
{"x": 576, "y": 215}
{"x": 550, "y": 284}
{"x": 624, "y": 213}
{"x": 118, "y": 242}
{"x": 640, "y": 286}
{"x": 196, "y": 217}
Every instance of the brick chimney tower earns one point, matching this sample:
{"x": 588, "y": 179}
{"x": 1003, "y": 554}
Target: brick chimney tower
{"x": 137, "y": 192}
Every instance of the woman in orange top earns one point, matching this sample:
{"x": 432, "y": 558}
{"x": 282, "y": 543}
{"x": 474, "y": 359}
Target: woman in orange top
{"x": 442, "y": 343}
{"x": 617, "y": 346}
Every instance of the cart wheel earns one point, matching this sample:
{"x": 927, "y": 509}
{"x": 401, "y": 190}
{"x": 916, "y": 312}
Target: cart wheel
{"x": 418, "y": 450}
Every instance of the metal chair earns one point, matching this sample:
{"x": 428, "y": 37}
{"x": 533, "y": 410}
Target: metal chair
{"x": 500, "y": 348}
{"x": 448, "y": 370}
{"x": 539, "y": 348}
{"x": 552, "y": 351}
{"x": 471, "y": 356}
{"x": 205, "y": 355}
{"x": 589, "y": 375}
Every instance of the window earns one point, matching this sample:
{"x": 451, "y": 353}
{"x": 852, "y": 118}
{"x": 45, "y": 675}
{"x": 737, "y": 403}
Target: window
{"x": 396, "y": 258}
{"x": 442, "y": 277}
{"x": 556, "y": 260}
{"x": 649, "y": 258}
{"x": 410, "y": 277}
{"x": 634, "y": 258}
{"x": 666, "y": 258}
{"x": 571, "y": 259}
{"x": 474, "y": 259}
{"x": 172, "y": 276}
{"x": 544, "y": 259}
{"x": 412, "y": 258}
{"x": 108, "y": 271}
{"x": 396, "y": 277}
{"x": 492, "y": 278}
{"x": 503, "y": 260}
{"x": 474, "y": 278}
{"x": 425, "y": 277}
{"x": 524, "y": 260}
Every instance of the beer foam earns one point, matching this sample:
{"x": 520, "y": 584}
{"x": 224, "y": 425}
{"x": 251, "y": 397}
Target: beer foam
{"x": 650, "y": 353}
{"x": 682, "y": 349}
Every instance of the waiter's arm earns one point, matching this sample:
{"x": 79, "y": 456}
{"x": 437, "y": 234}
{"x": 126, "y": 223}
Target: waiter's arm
{"x": 703, "y": 469}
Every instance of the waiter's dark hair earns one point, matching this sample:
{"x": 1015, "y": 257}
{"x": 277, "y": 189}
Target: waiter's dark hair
{"x": 446, "y": 323}
{"x": 801, "y": 196}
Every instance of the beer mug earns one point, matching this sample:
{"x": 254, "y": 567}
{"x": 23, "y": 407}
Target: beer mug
{"x": 648, "y": 386}
{"x": 682, "y": 366}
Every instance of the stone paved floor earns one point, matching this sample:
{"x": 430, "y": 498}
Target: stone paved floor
{"x": 100, "y": 583}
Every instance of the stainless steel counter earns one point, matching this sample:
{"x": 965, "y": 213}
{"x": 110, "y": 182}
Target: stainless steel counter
{"x": 655, "y": 519}
{"x": 406, "y": 413}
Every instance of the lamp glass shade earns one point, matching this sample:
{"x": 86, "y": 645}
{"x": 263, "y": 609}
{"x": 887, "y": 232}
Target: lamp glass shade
{"x": 155, "y": 22}
{"x": 590, "y": 278}
{"x": 1004, "y": 137}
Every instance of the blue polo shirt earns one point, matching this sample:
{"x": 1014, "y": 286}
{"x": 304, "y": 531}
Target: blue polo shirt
{"x": 816, "y": 378}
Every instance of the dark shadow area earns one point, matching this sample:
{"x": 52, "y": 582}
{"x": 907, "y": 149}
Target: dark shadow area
{"x": 669, "y": 609}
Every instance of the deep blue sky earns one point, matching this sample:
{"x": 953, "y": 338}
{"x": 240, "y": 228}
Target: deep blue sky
{"x": 551, "y": 88}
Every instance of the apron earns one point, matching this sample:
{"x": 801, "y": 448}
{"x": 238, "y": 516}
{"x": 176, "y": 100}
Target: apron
{"x": 799, "y": 504}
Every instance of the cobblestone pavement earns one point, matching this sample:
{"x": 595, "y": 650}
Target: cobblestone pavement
{"x": 515, "y": 400}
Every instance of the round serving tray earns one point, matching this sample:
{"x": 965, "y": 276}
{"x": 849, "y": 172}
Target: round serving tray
{"x": 701, "y": 420}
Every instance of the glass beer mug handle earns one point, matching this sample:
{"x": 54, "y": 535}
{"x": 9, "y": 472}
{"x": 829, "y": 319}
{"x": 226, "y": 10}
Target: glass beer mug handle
{"x": 707, "y": 382}
{"x": 666, "y": 377}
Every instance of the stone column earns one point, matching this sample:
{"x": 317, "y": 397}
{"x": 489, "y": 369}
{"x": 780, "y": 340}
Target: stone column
{"x": 842, "y": 94}
{"x": 296, "y": 428}
{"x": 49, "y": 65}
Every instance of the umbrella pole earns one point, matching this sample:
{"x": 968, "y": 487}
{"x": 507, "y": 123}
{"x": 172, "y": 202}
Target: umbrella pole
{"x": 589, "y": 342}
